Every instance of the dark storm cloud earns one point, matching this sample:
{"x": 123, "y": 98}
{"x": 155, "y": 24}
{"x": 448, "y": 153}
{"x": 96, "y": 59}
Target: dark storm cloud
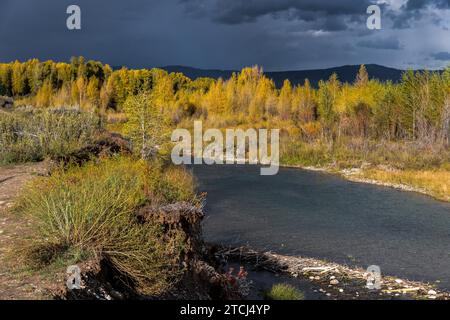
{"x": 110, "y": 29}
{"x": 226, "y": 34}
{"x": 413, "y": 10}
{"x": 441, "y": 56}
{"x": 390, "y": 43}
{"x": 421, "y": 4}
{"x": 244, "y": 11}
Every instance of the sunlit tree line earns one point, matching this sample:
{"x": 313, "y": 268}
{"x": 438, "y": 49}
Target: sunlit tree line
{"x": 417, "y": 108}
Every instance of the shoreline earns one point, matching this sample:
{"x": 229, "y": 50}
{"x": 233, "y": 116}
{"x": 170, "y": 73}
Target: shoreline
{"x": 336, "y": 281}
{"x": 352, "y": 175}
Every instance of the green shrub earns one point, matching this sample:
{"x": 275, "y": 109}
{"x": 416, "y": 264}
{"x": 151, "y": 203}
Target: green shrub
{"x": 296, "y": 152}
{"x": 90, "y": 211}
{"x": 34, "y": 134}
{"x": 284, "y": 292}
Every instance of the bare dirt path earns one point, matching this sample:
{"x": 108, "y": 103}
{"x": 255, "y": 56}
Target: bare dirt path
{"x": 15, "y": 281}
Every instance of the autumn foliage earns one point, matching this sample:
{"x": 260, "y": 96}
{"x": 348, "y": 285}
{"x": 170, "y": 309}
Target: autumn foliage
{"x": 415, "y": 109}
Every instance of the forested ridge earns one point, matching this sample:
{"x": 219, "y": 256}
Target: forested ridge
{"x": 405, "y": 124}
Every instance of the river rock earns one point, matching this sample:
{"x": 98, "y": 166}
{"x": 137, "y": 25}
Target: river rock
{"x": 432, "y": 293}
{"x": 334, "y": 282}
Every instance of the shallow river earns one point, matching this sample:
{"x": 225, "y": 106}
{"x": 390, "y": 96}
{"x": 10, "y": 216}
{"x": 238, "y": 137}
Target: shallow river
{"x": 319, "y": 215}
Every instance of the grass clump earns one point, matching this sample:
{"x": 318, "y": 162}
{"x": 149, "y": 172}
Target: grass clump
{"x": 284, "y": 291}
{"x": 34, "y": 134}
{"x": 89, "y": 212}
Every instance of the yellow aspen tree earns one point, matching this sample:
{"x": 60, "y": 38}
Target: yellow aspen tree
{"x": 92, "y": 91}
{"x": 81, "y": 86}
{"x": 285, "y": 100}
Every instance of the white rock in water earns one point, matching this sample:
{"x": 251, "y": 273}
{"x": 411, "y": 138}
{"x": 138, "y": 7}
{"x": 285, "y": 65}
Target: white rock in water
{"x": 334, "y": 282}
{"x": 332, "y": 277}
{"x": 432, "y": 293}
{"x": 399, "y": 281}
{"x": 341, "y": 290}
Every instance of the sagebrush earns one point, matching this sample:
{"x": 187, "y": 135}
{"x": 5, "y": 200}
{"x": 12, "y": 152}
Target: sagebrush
{"x": 91, "y": 211}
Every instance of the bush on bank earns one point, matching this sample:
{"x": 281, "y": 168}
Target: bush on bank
{"x": 34, "y": 134}
{"x": 89, "y": 212}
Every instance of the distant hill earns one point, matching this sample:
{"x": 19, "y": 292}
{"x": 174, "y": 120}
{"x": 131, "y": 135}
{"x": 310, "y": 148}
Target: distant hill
{"x": 345, "y": 74}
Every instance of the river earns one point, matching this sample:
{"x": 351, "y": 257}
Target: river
{"x": 313, "y": 214}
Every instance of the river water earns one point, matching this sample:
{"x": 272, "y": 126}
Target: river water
{"x": 319, "y": 215}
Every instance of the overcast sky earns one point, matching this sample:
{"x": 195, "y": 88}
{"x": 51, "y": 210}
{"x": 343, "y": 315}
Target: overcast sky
{"x": 230, "y": 34}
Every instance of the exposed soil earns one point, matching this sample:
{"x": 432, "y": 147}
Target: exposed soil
{"x": 15, "y": 281}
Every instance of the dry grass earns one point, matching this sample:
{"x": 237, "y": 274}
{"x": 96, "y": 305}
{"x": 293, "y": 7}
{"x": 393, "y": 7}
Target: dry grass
{"x": 434, "y": 182}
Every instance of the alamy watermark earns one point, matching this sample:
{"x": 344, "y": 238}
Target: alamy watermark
{"x": 73, "y": 22}
{"x": 373, "y": 277}
{"x": 237, "y": 146}
{"x": 374, "y": 20}
{"x": 73, "y": 277}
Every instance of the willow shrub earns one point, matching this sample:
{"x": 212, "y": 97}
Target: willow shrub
{"x": 90, "y": 211}
{"x": 34, "y": 134}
